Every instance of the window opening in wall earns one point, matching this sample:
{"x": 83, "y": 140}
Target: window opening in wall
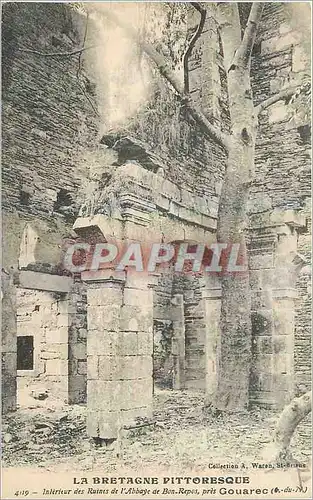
{"x": 25, "y": 352}
{"x": 64, "y": 199}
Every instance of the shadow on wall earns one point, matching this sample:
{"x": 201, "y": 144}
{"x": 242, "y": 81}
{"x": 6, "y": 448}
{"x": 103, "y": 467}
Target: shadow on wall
{"x": 163, "y": 364}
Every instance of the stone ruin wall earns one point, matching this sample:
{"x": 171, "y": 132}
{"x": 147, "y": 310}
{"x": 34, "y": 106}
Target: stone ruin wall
{"x": 42, "y": 155}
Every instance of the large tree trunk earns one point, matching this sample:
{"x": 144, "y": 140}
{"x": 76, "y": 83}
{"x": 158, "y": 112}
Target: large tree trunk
{"x": 234, "y": 355}
{"x": 289, "y": 419}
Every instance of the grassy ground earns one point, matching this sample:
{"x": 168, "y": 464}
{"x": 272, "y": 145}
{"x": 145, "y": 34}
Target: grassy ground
{"x": 185, "y": 437}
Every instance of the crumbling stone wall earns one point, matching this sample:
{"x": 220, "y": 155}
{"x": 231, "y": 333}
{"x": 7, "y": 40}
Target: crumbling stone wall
{"x": 282, "y": 174}
{"x": 58, "y": 324}
{"x": 195, "y": 367}
{"x": 283, "y": 156}
{"x": 47, "y": 117}
{"x": 303, "y": 344}
{"x": 77, "y": 331}
{"x": 44, "y": 316}
{"x": 8, "y": 334}
{"x": 48, "y": 120}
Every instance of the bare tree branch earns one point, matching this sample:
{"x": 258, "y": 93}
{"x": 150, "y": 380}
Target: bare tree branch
{"x": 166, "y": 71}
{"x": 243, "y": 54}
{"x": 58, "y": 54}
{"x": 282, "y": 95}
{"x": 193, "y": 42}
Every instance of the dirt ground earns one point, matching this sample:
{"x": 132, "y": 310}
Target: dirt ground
{"x": 184, "y": 436}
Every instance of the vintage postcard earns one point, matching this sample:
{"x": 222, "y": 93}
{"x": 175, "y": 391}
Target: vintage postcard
{"x": 156, "y": 277}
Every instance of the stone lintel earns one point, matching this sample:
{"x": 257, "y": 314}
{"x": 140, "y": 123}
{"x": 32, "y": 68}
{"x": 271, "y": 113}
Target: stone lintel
{"x": 107, "y": 226}
{"x": 46, "y": 282}
{"x": 104, "y": 277}
{"x": 290, "y": 217}
{"x": 279, "y": 221}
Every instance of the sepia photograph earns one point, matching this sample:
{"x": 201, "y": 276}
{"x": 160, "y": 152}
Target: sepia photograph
{"x": 156, "y": 250}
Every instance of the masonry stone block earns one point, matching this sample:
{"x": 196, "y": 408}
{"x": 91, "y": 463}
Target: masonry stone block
{"x": 134, "y": 318}
{"x": 138, "y": 298}
{"x": 54, "y": 351}
{"x": 56, "y": 367}
{"x": 77, "y": 386}
{"x": 108, "y": 423}
{"x": 104, "y": 296}
{"x": 103, "y": 317}
{"x": 57, "y": 336}
{"x": 103, "y": 395}
{"x": 128, "y": 343}
{"x": 93, "y": 423}
{"x": 261, "y": 260}
{"x": 82, "y": 367}
{"x": 283, "y": 319}
{"x": 62, "y": 320}
{"x": 103, "y": 343}
{"x": 261, "y": 299}
{"x": 135, "y": 367}
{"x": 145, "y": 343}
{"x": 107, "y": 367}
{"x": 78, "y": 350}
{"x": 93, "y": 367}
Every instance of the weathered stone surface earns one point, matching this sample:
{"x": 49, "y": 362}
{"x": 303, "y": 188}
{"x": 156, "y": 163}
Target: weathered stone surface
{"x": 9, "y": 329}
{"x": 102, "y": 395}
{"x": 57, "y": 336}
{"x": 104, "y": 296}
{"x": 134, "y": 318}
{"x": 134, "y": 367}
{"x": 128, "y": 343}
{"x": 46, "y": 282}
{"x": 102, "y": 343}
{"x": 145, "y": 343}
{"x": 56, "y": 367}
{"x": 54, "y": 351}
{"x": 138, "y": 298}
{"x": 107, "y": 368}
{"x": 104, "y": 317}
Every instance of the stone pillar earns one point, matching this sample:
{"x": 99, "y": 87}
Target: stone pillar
{"x": 8, "y": 384}
{"x": 178, "y": 343}
{"x": 274, "y": 265}
{"x": 137, "y": 359}
{"x": 119, "y": 348}
{"x": 77, "y": 344}
{"x": 283, "y": 344}
{"x": 104, "y": 301}
{"x": 211, "y": 295}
